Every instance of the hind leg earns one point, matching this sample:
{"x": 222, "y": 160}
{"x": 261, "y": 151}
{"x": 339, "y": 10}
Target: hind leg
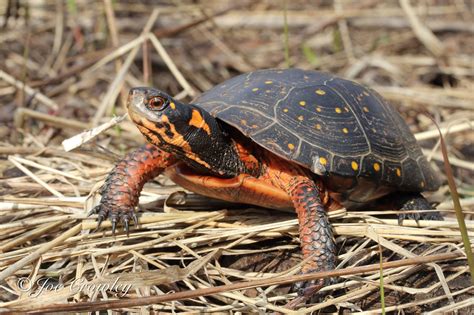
{"x": 415, "y": 201}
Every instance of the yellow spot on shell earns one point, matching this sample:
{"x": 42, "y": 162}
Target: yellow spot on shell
{"x": 366, "y": 109}
{"x": 338, "y": 110}
{"x": 318, "y": 109}
{"x": 291, "y": 146}
{"x": 320, "y": 92}
{"x": 302, "y": 103}
{"x": 399, "y": 172}
{"x": 354, "y": 165}
{"x": 300, "y": 118}
{"x": 345, "y": 130}
{"x": 243, "y": 122}
{"x": 255, "y": 89}
{"x": 268, "y": 82}
{"x": 285, "y": 110}
{"x": 323, "y": 160}
{"x": 317, "y": 126}
{"x": 376, "y": 166}
{"x": 173, "y": 105}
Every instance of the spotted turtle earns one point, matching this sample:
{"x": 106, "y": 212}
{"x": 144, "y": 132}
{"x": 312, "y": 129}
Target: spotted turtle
{"x": 279, "y": 139}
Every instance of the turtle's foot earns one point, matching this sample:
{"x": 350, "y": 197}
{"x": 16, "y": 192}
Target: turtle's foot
{"x": 123, "y": 185}
{"x": 119, "y": 199}
{"x": 434, "y": 215}
{"x": 116, "y": 213}
{"x": 417, "y": 202}
{"x": 309, "y": 288}
{"x": 308, "y": 291}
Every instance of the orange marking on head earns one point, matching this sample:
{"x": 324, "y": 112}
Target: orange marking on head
{"x": 199, "y": 122}
{"x": 148, "y": 134}
{"x": 150, "y": 129}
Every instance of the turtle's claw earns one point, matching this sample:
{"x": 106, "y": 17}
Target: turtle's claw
{"x": 100, "y": 219}
{"x": 135, "y": 219}
{"x": 408, "y": 216}
{"x": 125, "y": 226}
{"x": 94, "y": 210}
{"x": 101, "y": 212}
{"x": 307, "y": 291}
{"x": 114, "y": 225}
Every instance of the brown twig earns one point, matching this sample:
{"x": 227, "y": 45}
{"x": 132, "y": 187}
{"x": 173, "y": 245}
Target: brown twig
{"x": 102, "y": 305}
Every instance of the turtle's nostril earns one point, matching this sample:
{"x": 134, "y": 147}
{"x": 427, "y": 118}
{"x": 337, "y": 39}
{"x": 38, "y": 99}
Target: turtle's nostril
{"x": 137, "y": 91}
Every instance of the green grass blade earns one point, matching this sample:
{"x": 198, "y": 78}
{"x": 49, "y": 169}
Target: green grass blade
{"x": 310, "y": 55}
{"x": 382, "y": 290}
{"x": 457, "y": 205}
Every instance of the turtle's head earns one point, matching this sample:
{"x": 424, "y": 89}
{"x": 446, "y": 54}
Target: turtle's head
{"x": 185, "y": 130}
{"x": 160, "y": 118}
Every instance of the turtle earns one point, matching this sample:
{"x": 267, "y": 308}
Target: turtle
{"x": 280, "y": 139}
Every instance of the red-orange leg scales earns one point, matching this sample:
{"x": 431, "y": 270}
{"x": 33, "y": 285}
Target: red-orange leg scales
{"x": 123, "y": 185}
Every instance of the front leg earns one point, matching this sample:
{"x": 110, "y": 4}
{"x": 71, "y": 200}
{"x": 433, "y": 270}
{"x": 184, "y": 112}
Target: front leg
{"x": 124, "y": 183}
{"x": 316, "y": 236}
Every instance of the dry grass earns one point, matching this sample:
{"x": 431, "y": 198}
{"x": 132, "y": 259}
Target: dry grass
{"x": 65, "y": 68}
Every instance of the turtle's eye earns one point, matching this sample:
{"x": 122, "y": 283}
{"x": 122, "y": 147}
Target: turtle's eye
{"x": 157, "y": 103}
